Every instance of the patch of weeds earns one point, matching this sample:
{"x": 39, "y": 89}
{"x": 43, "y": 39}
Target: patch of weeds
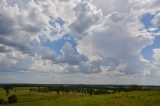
{"x": 132, "y": 97}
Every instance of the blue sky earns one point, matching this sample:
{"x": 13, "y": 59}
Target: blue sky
{"x": 80, "y": 41}
{"x": 147, "y": 52}
{"x": 57, "y": 45}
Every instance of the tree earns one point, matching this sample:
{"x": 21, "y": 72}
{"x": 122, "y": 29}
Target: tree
{"x": 7, "y": 92}
{"x": 90, "y": 91}
{"x": 12, "y": 99}
{"x": 57, "y": 91}
{"x": 7, "y": 88}
{"x": 135, "y": 88}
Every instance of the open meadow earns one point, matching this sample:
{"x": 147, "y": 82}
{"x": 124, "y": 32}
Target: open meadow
{"x": 26, "y": 97}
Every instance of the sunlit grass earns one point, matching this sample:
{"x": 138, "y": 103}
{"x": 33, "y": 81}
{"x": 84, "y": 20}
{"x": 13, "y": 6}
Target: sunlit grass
{"x": 136, "y": 98}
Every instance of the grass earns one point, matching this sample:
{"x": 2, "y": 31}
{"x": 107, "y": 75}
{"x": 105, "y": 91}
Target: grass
{"x": 138, "y": 98}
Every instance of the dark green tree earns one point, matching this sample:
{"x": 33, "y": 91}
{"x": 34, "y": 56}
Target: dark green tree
{"x": 12, "y": 99}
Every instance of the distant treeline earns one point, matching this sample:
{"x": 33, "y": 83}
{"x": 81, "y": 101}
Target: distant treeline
{"x": 89, "y": 89}
{"x": 84, "y": 89}
{"x": 74, "y": 85}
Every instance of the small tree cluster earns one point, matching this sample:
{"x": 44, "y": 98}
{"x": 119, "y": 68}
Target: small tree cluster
{"x": 12, "y": 99}
{"x": 135, "y": 88}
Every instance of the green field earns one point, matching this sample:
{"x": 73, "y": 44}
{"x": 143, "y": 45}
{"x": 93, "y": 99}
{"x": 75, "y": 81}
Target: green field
{"x": 136, "y": 98}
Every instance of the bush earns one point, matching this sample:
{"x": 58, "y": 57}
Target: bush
{"x": 1, "y": 100}
{"x": 12, "y": 99}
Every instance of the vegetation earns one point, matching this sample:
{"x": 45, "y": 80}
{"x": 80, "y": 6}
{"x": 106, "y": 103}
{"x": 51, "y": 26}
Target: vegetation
{"x": 1, "y": 100}
{"x": 12, "y": 99}
{"x": 7, "y": 88}
{"x": 83, "y": 95}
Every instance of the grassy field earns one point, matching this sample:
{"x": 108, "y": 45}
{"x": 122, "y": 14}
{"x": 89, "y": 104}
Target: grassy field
{"x": 136, "y": 98}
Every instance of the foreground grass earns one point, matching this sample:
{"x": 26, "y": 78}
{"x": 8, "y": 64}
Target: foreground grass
{"x": 139, "y": 98}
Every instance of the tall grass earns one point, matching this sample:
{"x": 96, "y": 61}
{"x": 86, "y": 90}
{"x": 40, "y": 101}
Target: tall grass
{"x": 136, "y": 98}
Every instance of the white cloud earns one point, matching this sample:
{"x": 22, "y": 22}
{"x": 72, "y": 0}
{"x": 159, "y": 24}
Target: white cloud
{"x": 109, "y": 36}
{"x": 87, "y": 16}
{"x": 153, "y": 67}
{"x": 156, "y": 20}
{"x": 120, "y": 37}
{"x": 41, "y": 65}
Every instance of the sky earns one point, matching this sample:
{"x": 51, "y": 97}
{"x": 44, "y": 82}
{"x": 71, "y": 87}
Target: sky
{"x": 80, "y": 41}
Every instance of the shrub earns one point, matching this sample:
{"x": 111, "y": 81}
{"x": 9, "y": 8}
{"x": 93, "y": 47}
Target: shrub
{"x": 1, "y": 100}
{"x": 12, "y": 99}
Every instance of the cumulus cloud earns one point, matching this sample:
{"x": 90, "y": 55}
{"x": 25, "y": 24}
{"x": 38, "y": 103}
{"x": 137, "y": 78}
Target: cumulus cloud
{"x": 152, "y": 67}
{"x": 69, "y": 56}
{"x": 156, "y": 20}
{"x": 24, "y": 24}
{"x": 118, "y": 41}
{"x": 87, "y": 15}
{"x": 109, "y": 36}
{"x": 156, "y": 62}
{"x": 7, "y": 25}
{"x": 19, "y": 33}
{"x": 88, "y": 67}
